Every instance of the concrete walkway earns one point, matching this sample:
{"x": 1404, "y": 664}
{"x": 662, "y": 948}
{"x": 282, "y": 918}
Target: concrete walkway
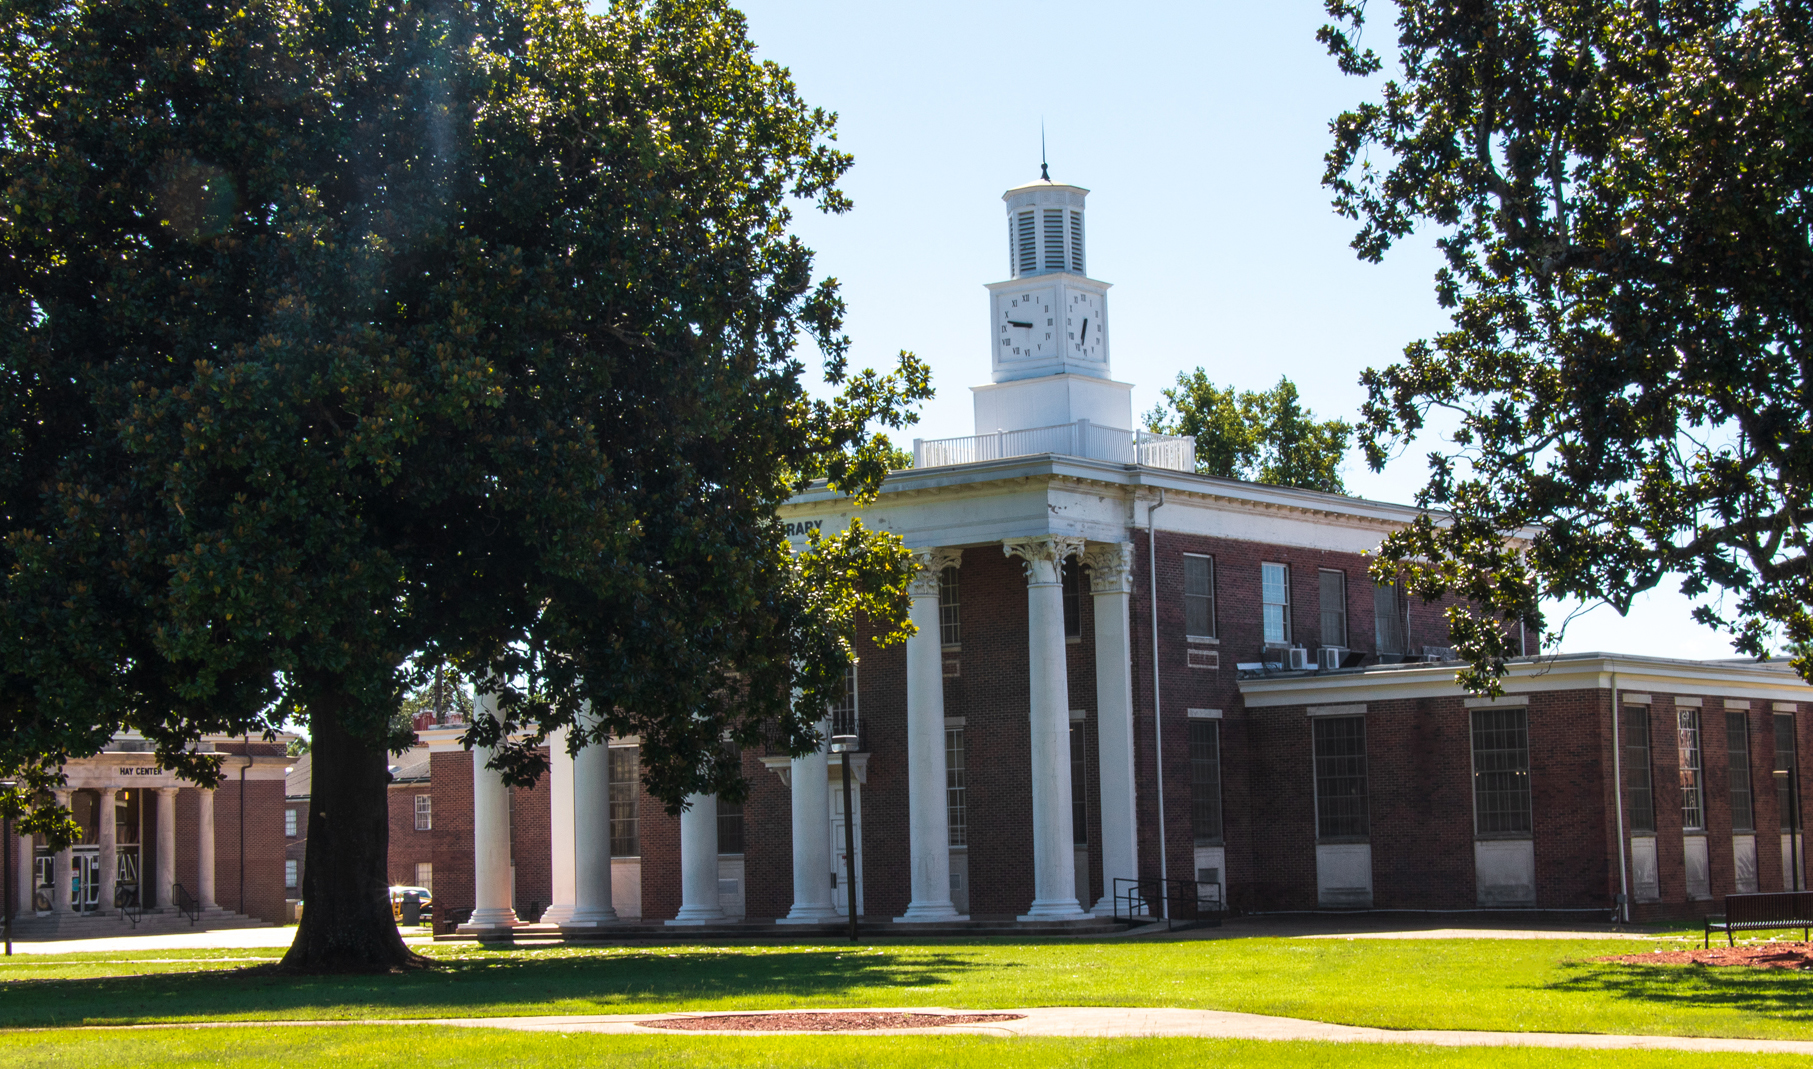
{"x": 224, "y": 939}
{"x": 1105, "y": 1021}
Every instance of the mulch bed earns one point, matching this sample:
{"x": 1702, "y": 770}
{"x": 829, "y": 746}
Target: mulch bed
{"x": 825, "y": 1022}
{"x": 1755, "y": 956}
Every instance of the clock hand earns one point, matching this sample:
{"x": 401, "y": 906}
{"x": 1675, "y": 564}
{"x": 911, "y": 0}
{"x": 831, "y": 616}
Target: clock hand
{"x": 1026, "y": 326}
{"x": 1085, "y": 336}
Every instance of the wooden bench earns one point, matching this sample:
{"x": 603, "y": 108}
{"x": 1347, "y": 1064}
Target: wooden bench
{"x": 1772, "y": 909}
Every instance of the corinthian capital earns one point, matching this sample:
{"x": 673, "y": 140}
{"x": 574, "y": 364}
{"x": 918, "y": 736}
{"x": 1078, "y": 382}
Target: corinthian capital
{"x": 1110, "y": 567}
{"x": 1043, "y": 556}
{"x": 932, "y": 562}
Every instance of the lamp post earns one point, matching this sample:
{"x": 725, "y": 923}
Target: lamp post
{"x": 6, "y": 904}
{"x": 842, "y": 745}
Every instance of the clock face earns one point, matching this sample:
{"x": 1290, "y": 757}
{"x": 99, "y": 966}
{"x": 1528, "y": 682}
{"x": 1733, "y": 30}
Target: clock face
{"x": 1026, "y": 326}
{"x": 1085, "y": 330}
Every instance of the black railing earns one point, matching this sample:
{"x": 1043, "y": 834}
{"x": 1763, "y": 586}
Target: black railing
{"x": 186, "y": 904}
{"x": 1179, "y": 903}
{"x": 126, "y": 900}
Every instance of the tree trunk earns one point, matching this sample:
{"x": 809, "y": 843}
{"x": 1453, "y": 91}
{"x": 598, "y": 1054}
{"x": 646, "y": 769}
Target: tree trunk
{"x": 346, "y": 924}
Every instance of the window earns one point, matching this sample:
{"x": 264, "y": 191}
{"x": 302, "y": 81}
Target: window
{"x": 1693, "y": 800}
{"x": 730, "y": 827}
{"x": 1389, "y": 622}
{"x": 1275, "y": 594}
{"x": 1737, "y": 766}
{"x": 626, "y": 794}
{"x": 955, "y": 803}
{"x": 1640, "y": 802}
{"x": 1054, "y": 239}
{"x": 1199, "y": 596}
{"x": 1205, "y": 781}
{"x": 290, "y": 873}
{"x": 1785, "y": 770}
{"x": 1501, "y": 772}
{"x": 424, "y": 812}
{"x": 289, "y": 823}
{"x": 1073, "y": 600}
{"x": 844, "y": 714}
{"x": 1079, "y": 779}
{"x": 1334, "y": 607}
{"x": 950, "y": 631}
{"x": 424, "y": 876}
{"x": 1340, "y": 749}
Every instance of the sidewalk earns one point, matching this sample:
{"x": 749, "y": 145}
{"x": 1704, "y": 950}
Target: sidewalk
{"x": 226, "y": 939}
{"x": 1116, "y": 1022}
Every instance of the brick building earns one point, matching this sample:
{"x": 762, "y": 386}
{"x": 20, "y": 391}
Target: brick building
{"x": 1124, "y": 668}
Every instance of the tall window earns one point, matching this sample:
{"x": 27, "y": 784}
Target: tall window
{"x": 1340, "y": 748}
{"x": 1334, "y": 606}
{"x": 1205, "y": 780}
{"x": 1389, "y": 624}
{"x": 1501, "y": 772}
{"x": 1275, "y": 596}
{"x": 730, "y": 827}
{"x": 289, "y": 872}
{"x": 1199, "y": 596}
{"x": 424, "y": 876}
{"x": 1073, "y": 600}
{"x": 955, "y": 803}
{"x": 424, "y": 812}
{"x": 1079, "y": 799}
{"x": 844, "y": 712}
{"x": 626, "y": 793}
{"x": 1785, "y": 770}
{"x": 289, "y": 823}
{"x": 1737, "y": 767}
{"x": 1640, "y": 800}
{"x": 950, "y": 629}
{"x": 1693, "y": 797}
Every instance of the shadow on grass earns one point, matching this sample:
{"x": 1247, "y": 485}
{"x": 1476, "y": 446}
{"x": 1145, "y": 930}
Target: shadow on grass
{"x": 1778, "y": 993}
{"x": 468, "y": 984}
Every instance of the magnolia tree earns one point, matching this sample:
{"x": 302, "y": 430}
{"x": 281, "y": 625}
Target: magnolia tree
{"x": 1624, "y": 197}
{"x": 350, "y": 339}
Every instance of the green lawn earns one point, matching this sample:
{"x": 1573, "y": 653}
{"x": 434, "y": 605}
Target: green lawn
{"x": 454, "y": 1048}
{"x": 1537, "y": 985}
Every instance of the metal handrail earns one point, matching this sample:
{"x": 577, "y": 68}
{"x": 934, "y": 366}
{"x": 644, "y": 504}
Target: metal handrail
{"x": 1179, "y": 903}
{"x": 126, "y": 900}
{"x": 186, "y": 904}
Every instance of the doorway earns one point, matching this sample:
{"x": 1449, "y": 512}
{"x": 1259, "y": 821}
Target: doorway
{"x": 839, "y": 885}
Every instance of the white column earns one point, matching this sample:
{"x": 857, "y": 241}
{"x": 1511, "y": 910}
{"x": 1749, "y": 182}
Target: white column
{"x": 25, "y": 877}
{"x": 107, "y": 823}
{"x": 60, "y": 893}
{"x": 1053, "y": 845}
{"x": 204, "y": 848}
{"x": 1111, "y": 580}
{"x": 699, "y": 861}
{"x": 928, "y": 817}
{"x": 808, "y": 779}
{"x": 166, "y": 847}
{"x": 562, "y": 819}
{"x": 490, "y": 840}
{"x": 592, "y": 835}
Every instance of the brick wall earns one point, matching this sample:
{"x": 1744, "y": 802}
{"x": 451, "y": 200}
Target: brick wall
{"x": 451, "y": 777}
{"x": 408, "y": 847}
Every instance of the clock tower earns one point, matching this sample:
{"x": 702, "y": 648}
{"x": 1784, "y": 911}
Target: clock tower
{"x": 1048, "y": 322}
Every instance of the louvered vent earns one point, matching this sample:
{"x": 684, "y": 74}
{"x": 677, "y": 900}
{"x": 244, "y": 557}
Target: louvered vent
{"x": 1054, "y": 239}
{"x": 1076, "y": 242}
{"x": 1028, "y": 258}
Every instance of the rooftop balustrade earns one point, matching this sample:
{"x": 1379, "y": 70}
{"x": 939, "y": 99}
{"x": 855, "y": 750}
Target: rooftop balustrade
{"x": 1079, "y": 439}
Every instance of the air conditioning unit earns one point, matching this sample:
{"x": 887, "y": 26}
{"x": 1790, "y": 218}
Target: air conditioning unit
{"x": 1299, "y": 659}
{"x": 1438, "y": 653}
{"x": 1330, "y": 657}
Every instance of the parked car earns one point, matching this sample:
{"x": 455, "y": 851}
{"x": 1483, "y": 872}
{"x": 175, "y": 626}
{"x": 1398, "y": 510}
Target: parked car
{"x": 396, "y": 900}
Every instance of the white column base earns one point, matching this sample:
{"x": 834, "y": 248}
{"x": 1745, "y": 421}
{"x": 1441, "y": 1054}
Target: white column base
{"x": 1063, "y": 909}
{"x": 560, "y": 915}
{"x": 492, "y": 918}
{"x": 930, "y": 913}
{"x": 591, "y": 918}
{"x": 811, "y": 914}
{"x": 698, "y": 915}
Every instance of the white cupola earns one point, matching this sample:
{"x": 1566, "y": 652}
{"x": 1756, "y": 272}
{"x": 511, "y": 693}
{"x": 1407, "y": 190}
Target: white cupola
{"x": 1048, "y": 322}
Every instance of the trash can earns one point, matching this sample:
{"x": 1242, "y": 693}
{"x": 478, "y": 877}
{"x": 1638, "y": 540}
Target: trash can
{"x": 412, "y": 909}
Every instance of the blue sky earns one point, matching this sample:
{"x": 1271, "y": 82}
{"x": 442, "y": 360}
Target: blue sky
{"x": 1199, "y": 128}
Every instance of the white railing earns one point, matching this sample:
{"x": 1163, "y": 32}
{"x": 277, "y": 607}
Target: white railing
{"x": 1079, "y": 439}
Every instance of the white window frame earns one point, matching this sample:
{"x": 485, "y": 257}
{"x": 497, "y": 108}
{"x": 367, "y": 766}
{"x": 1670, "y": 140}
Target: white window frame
{"x": 1284, "y": 606}
{"x": 1210, "y": 634}
{"x": 291, "y": 823}
{"x": 424, "y": 812}
{"x": 1326, "y": 612}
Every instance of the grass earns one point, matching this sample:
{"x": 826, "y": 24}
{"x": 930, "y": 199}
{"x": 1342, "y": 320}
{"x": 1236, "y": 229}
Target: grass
{"x": 1514, "y": 985}
{"x": 455, "y": 1048}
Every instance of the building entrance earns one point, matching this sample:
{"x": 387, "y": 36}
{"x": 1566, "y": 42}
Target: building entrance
{"x": 839, "y": 883}
{"x": 85, "y": 879}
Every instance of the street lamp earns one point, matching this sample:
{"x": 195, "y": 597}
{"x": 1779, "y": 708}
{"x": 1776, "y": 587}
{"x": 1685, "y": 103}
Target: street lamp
{"x": 6, "y": 903}
{"x": 842, "y": 745}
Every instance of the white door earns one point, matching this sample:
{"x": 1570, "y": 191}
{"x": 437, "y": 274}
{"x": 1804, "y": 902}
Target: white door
{"x": 839, "y": 897}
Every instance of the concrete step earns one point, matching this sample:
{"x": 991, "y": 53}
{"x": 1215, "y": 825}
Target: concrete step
{"x": 111, "y": 925}
{"x": 658, "y": 932}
